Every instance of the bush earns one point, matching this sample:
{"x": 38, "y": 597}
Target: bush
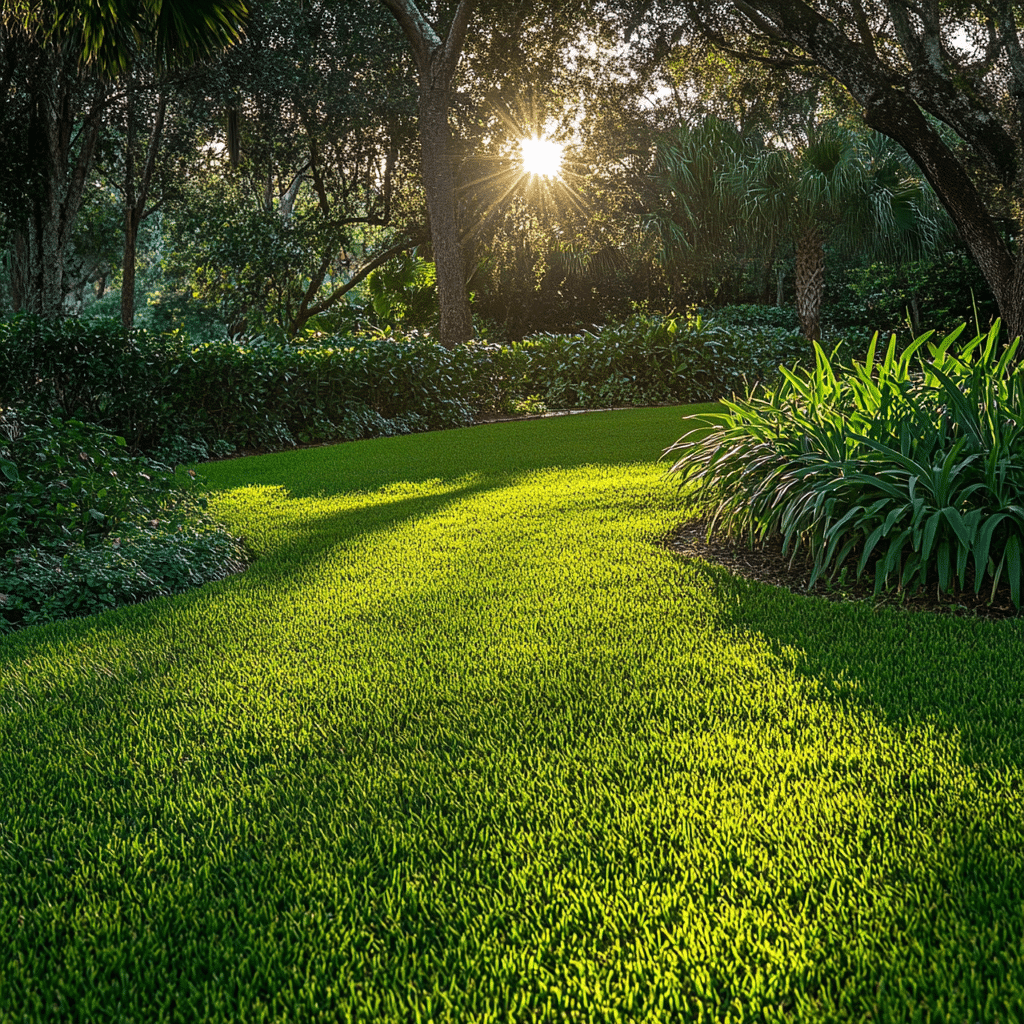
{"x": 135, "y": 564}
{"x": 165, "y": 394}
{"x": 67, "y": 483}
{"x": 947, "y": 288}
{"x": 84, "y": 526}
{"x": 185, "y": 401}
{"x": 654, "y": 358}
{"x": 912, "y": 464}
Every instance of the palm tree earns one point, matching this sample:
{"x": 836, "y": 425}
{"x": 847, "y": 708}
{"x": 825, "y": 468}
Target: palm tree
{"x": 851, "y": 190}
{"x": 693, "y": 212}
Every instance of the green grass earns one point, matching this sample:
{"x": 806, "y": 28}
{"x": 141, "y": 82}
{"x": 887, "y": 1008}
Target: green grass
{"x": 466, "y": 745}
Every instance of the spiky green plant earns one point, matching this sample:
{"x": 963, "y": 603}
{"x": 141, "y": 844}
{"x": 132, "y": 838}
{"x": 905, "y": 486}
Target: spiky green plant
{"x": 912, "y": 463}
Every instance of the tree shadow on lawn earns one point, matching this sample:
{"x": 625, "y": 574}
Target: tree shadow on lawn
{"x": 88, "y": 652}
{"x": 609, "y": 438}
{"x": 940, "y": 700}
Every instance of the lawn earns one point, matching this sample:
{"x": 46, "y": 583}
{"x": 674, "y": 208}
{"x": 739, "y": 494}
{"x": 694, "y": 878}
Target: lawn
{"x": 465, "y": 744}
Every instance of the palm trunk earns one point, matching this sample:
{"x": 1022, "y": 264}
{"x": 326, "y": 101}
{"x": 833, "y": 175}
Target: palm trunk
{"x": 810, "y": 282}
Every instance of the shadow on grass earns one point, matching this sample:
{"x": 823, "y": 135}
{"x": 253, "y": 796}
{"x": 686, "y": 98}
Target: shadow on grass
{"x": 611, "y": 438}
{"x": 944, "y": 764}
{"x": 111, "y": 636}
{"x": 964, "y": 675}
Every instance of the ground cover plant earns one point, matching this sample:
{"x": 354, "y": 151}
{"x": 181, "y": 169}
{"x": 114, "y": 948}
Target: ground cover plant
{"x": 466, "y": 744}
{"x": 911, "y": 463}
{"x": 85, "y": 526}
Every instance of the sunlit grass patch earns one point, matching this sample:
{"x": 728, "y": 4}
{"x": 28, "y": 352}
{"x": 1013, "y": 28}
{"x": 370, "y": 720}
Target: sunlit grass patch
{"x": 465, "y": 744}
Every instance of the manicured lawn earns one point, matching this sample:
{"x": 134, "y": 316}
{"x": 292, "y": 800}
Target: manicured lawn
{"x": 466, "y": 745}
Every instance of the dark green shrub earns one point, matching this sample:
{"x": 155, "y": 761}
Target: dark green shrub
{"x": 178, "y": 450}
{"x": 90, "y": 370}
{"x": 84, "y": 526}
{"x": 750, "y": 317}
{"x": 136, "y": 563}
{"x": 912, "y": 463}
{"x": 185, "y": 401}
{"x": 157, "y": 391}
{"x": 66, "y": 483}
{"x": 947, "y": 289}
{"x": 654, "y": 358}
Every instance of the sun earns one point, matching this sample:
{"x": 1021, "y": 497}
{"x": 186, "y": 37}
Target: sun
{"x": 542, "y": 157}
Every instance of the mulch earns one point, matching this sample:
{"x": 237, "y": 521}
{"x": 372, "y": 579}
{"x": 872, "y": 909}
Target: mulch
{"x": 767, "y": 564}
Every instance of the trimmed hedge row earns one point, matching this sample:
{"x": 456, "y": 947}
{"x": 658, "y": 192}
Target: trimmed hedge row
{"x": 162, "y": 392}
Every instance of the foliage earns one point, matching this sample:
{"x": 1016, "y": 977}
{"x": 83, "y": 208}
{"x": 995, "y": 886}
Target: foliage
{"x": 263, "y": 392}
{"x": 85, "y": 527}
{"x": 136, "y": 562}
{"x": 66, "y": 482}
{"x": 653, "y": 358}
{"x": 531, "y": 405}
{"x": 727, "y": 205}
{"x": 403, "y": 293}
{"x": 911, "y": 463}
{"x": 751, "y": 317}
{"x": 468, "y": 738}
{"x": 956, "y": 116}
{"x": 947, "y": 288}
{"x": 86, "y": 369}
{"x": 170, "y": 396}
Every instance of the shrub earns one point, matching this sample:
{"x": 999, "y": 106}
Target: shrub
{"x": 66, "y": 483}
{"x": 911, "y": 463}
{"x": 166, "y": 394}
{"x": 137, "y": 563}
{"x": 84, "y": 526}
{"x": 180, "y": 400}
{"x": 948, "y": 288}
{"x": 654, "y": 358}
{"x": 750, "y": 317}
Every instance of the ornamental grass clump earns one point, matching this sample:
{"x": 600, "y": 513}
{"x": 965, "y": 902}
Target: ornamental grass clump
{"x": 913, "y": 465}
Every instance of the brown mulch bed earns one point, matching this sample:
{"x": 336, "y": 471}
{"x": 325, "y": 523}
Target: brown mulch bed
{"x": 767, "y": 564}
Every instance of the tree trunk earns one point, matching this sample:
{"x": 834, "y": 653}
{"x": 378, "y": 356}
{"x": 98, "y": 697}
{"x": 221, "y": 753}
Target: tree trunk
{"x": 131, "y": 223}
{"x": 810, "y": 282}
{"x": 439, "y": 186}
{"x": 135, "y": 199}
{"x": 436, "y": 60}
{"x": 69, "y": 139}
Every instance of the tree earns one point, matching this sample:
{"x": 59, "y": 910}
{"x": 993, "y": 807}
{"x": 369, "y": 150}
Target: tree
{"x": 436, "y": 52}
{"x": 693, "y": 212}
{"x": 59, "y": 62}
{"x": 315, "y": 186}
{"x": 849, "y": 190}
{"x": 912, "y": 68}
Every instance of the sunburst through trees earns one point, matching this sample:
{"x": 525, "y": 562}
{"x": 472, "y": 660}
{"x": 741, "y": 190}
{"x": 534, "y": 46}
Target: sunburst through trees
{"x": 542, "y": 157}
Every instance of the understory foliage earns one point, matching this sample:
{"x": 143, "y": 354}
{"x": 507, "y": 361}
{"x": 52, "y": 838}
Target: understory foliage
{"x": 183, "y": 400}
{"x": 911, "y": 464}
{"x": 85, "y": 526}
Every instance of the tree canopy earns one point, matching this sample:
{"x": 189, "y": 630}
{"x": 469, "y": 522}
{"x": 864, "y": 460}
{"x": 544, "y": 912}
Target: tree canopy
{"x": 944, "y": 80}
